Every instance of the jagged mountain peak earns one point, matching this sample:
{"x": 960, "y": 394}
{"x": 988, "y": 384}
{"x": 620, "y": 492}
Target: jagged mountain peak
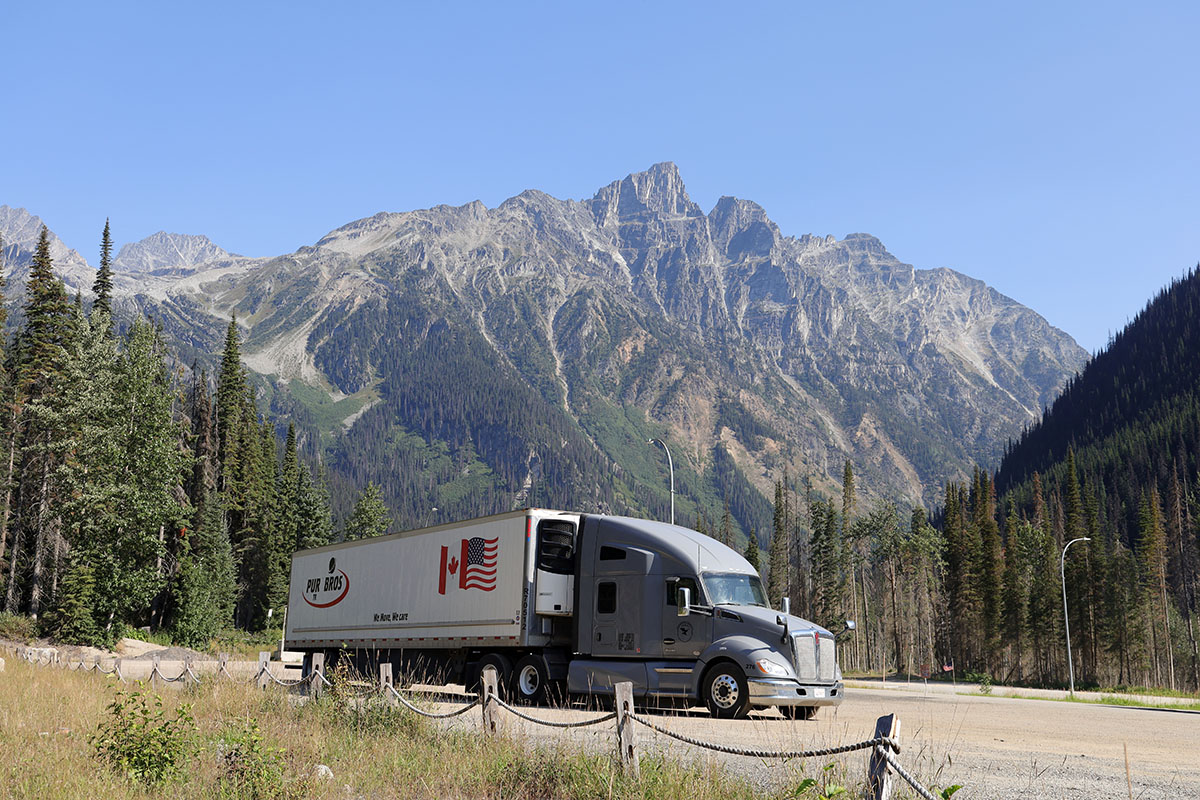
{"x": 742, "y": 228}
{"x": 164, "y": 250}
{"x": 20, "y": 230}
{"x": 657, "y": 191}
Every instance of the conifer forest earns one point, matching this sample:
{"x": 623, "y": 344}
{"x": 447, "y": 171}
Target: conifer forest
{"x": 140, "y": 491}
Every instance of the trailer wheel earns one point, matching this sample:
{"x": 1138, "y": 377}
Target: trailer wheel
{"x": 725, "y": 692}
{"x": 503, "y": 669}
{"x": 529, "y": 679}
{"x": 799, "y": 712}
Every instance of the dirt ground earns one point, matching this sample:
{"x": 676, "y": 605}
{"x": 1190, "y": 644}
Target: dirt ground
{"x": 996, "y": 747}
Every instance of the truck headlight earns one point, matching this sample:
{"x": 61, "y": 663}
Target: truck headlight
{"x": 771, "y": 668}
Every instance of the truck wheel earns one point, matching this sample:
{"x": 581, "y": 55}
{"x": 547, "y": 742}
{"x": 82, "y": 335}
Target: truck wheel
{"x": 726, "y": 693}
{"x": 529, "y": 679}
{"x": 799, "y": 712}
{"x": 502, "y": 666}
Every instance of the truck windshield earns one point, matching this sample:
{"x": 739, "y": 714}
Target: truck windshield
{"x": 734, "y": 589}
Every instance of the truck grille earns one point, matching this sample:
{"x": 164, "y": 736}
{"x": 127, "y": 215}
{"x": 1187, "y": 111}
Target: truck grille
{"x": 806, "y": 657}
{"x": 816, "y": 657}
{"x": 828, "y": 660}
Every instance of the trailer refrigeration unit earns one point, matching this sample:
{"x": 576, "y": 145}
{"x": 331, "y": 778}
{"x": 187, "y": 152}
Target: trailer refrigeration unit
{"x": 577, "y": 601}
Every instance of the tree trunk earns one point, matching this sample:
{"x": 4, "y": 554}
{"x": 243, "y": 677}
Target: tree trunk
{"x": 10, "y": 595}
{"x": 39, "y": 547}
{"x": 12, "y": 449}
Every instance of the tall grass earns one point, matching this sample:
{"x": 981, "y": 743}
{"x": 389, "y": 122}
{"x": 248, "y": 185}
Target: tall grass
{"x": 254, "y": 743}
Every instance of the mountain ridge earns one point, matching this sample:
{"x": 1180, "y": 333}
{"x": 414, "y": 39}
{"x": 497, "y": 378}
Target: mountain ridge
{"x": 634, "y": 308}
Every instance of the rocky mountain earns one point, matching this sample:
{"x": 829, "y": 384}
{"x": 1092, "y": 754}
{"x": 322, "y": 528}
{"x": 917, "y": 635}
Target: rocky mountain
{"x": 164, "y": 250}
{"x": 471, "y": 358}
{"x": 20, "y": 231}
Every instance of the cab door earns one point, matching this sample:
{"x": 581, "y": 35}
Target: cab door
{"x": 683, "y": 637}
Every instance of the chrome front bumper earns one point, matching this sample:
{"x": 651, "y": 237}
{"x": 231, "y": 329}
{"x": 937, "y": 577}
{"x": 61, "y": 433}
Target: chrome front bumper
{"x": 784, "y": 692}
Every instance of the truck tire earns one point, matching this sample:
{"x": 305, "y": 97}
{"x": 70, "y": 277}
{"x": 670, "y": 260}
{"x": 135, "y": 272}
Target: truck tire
{"x": 502, "y": 666}
{"x": 725, "y": 692}
{"x": 530, "y": 679}
{"x": 799, "y": 712}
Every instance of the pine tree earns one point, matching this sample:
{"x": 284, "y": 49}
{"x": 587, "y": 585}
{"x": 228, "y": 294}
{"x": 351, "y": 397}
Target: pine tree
{"x": 726, "y": 525}
{"x": 370, "y": 515}
{"x": 990, "y": 568}
{"x": 72, "y": 620}
{"x": 751, "y": 552}
{"x": 47, "y": 325}
{"x": 315, "y": 527}
{"x": 103, "y": 285}
{"x": 777, "y": 564}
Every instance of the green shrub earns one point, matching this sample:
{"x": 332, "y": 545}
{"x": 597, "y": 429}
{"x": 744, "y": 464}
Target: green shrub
{"x": 254, "y": 768}
{"x": 17, "y": 627}
{"x": 140, "y": 740}
{"x": 983, "y": 679}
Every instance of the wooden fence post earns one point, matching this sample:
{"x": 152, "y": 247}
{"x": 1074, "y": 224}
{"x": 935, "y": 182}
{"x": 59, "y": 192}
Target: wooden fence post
{"x": 385, "y": 682}
{"x": 155, "y": 675}
{"x": 624, "y": 707}
{"x": 316, "y": 684}
{"x": 879, "y": 774}
{"x": 487, "y": 691}
{"x": 264, "y": 668}
{"x": 223, "y": 664}
{"x": 117, "y": 670}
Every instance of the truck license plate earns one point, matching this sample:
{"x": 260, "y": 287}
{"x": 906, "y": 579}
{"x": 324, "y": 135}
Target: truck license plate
{"x": 818, "y": 692}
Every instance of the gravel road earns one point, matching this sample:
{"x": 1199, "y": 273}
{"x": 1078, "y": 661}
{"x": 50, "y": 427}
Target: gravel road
{"x": 997, "y": 747}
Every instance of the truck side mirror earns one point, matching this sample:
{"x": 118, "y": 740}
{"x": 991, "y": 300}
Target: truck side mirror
{"x": 787, "y": 605}
{"x": 683, "y": 601}
{"x": 850, "y": 625}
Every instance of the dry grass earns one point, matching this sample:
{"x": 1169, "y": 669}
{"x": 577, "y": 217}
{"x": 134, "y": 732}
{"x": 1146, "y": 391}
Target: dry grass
{"x": 47, "y": 716}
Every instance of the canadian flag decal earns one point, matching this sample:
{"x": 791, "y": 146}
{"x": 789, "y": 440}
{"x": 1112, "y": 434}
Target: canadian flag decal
{"x": 474, "y": 564}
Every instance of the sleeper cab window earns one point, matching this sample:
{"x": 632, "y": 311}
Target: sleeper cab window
{"x": 606, "y": 597}
{"x": 612, "y": 553}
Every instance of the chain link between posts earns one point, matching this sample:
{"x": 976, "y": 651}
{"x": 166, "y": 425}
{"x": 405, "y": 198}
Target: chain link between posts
{"x": 430, "y": 714}
{"x": 550, "y": 723}
{"x": 738, "y": 751}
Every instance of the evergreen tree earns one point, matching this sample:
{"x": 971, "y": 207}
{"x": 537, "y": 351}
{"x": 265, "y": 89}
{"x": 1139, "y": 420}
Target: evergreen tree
{"x": 103, "y": 285}
{"x": 47, "y": 326}
{"x": 205, "y": 586}
{"x": 315, "y": 527}
{"x": 72, "y": 620}
{"x": 726, "y": 525}
{"x": 370, "y": 516}
{"x": 751, "y": 552}
{"x": 778, "y": 556}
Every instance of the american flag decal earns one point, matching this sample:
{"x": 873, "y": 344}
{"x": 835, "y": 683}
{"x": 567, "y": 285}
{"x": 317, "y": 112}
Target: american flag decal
{"x": 479, "y": 563}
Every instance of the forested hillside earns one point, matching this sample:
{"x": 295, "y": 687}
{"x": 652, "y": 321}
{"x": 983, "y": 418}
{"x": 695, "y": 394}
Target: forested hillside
{"x": 132, "y": 493}
{"x": 1117, "y": 458}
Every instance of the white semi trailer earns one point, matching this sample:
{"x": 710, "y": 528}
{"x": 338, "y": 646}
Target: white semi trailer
{"x": 578, "y": 601}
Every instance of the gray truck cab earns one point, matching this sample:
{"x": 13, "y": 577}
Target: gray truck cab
{"x": 683, "y": 617}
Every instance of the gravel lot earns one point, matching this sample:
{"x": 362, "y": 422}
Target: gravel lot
{"x": 997, "y": 747}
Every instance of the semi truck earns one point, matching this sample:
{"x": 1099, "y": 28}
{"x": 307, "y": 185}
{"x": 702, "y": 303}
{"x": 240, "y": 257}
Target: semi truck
{"x": 573, "y": 602}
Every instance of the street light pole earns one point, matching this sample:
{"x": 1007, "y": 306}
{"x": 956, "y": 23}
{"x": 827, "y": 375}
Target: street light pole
{"x": 1062, "y": 571}
{"x": 671, "y": 466}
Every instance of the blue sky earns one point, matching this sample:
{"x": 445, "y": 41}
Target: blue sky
{"x": 1046, "y": 148}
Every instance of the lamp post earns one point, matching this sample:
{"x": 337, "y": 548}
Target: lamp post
{"x": 1062, "y": 571}
{"x": 671, "y": 466}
